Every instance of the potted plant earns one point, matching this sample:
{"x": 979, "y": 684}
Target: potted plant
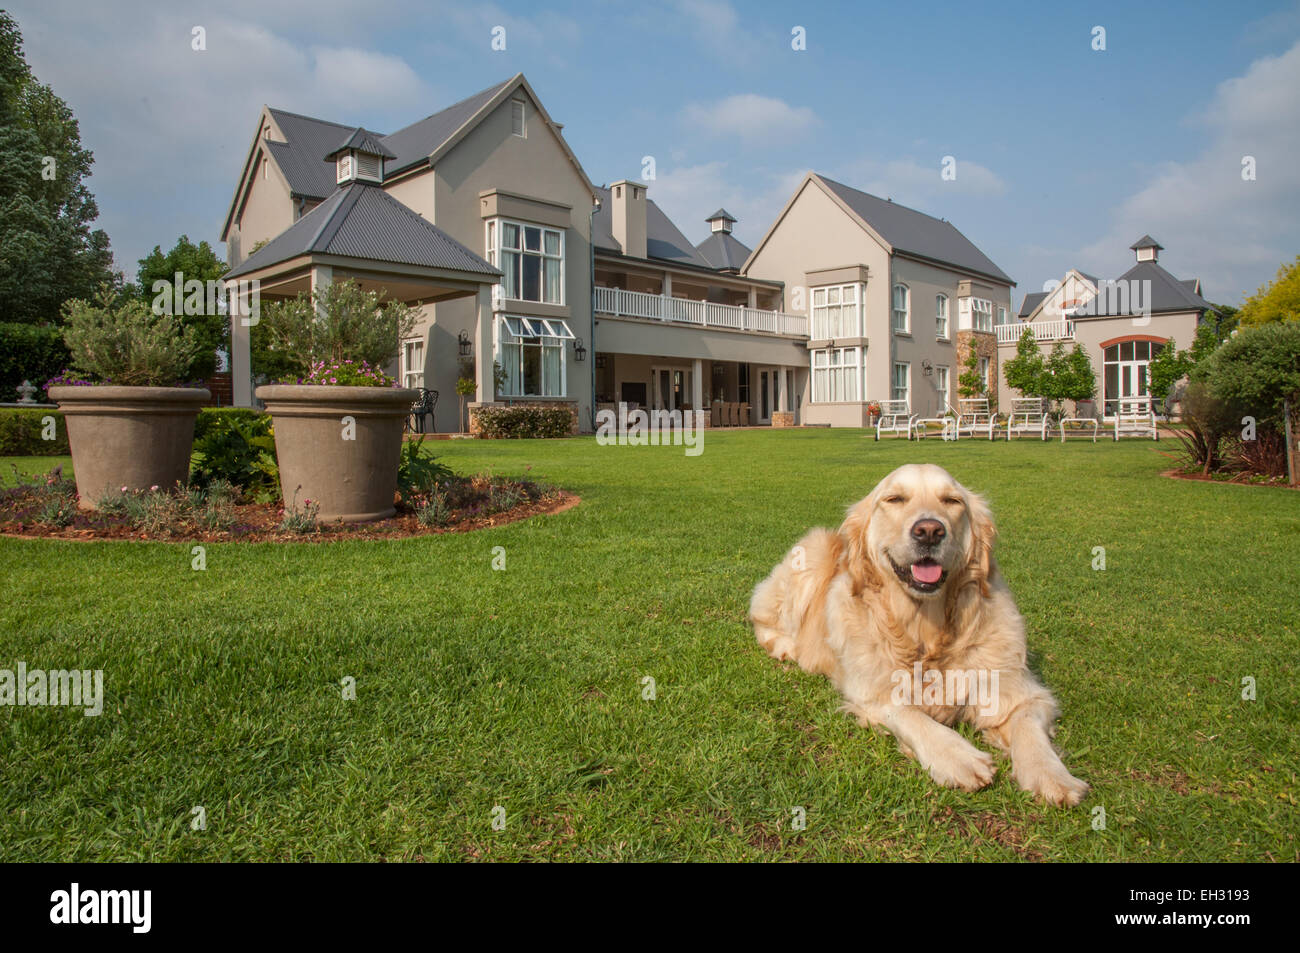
{"x": 338, "y": 421}
{"x": 466, "y": 387}
{"x": 130, "y": 423}
{"x": 873, "y": 413}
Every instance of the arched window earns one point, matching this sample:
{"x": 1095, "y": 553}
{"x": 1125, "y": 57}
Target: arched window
{"x": 902, "y": 309}
{"x": 1125, "y": 364}
{"x": 941, "y": 317}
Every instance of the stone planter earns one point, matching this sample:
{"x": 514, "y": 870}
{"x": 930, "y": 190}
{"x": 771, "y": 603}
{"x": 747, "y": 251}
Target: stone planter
{"x": 339, "y": 446}
{"x": 133, "y": 437}
{"x": 783, "y": 418}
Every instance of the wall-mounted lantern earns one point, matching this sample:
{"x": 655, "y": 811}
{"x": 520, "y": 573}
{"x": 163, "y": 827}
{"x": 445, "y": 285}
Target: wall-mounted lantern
{"x": 579, "y": 352}
{"x": 466, "y": 346}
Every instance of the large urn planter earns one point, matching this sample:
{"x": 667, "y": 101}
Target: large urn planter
{"x": 133, "y": 437}
{"x": 339, "y": 447}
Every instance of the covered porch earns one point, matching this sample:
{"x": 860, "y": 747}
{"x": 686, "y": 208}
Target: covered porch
{"x": 730, "y": 393}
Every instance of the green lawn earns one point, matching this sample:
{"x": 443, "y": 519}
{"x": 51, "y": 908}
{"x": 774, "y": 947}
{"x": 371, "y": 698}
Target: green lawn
{"x": 523, "y": 688}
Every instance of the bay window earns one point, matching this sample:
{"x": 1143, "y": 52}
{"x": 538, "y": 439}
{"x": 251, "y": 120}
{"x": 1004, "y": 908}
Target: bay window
{"x": 531, "y": 352}
{"x": 837, "y": 374}
{"x": 835, "y": 312}
{"x": 532, "y": 259}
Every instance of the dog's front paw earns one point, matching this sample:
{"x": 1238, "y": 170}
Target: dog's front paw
{"x": 966, "y": 768}
{"x": 1059, "y": 788}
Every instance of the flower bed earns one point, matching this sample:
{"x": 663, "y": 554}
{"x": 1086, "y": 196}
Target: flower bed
{"x": 47, "y": 507}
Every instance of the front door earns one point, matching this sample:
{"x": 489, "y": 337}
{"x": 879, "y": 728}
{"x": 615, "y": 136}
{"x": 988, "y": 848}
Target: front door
{"x": 672, "y": 388}
{"x": 769, "y": 394}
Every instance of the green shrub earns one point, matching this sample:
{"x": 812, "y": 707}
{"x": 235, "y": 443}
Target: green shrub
{"x": 29, "y": 352}
{"x": 22, "y": 433}
{"x": 1256, "y": 370}
{"x": 418, "y": 474}
{"x": 123, "y": 342}
{"x": 209, "y": 417}
{"x": 522, "y": 422}
{"x": 238, "y": 450}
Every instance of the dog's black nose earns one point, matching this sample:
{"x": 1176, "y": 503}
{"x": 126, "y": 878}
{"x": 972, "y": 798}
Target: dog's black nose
{"x": 928, "y": 532}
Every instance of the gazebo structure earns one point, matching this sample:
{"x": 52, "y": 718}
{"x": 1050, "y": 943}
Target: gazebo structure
{"x": 360, "y": 233}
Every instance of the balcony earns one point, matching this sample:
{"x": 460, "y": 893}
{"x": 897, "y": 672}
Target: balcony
{"x": 1044, "y": 331}
{"x": 703, "y": 314}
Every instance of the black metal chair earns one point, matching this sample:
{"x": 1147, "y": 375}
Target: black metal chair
{"x": 424, "y": 408}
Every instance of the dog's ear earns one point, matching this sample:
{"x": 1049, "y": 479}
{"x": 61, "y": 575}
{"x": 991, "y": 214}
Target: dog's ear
{"x": 982, "y": 536}
{"x": 858, "y": 563}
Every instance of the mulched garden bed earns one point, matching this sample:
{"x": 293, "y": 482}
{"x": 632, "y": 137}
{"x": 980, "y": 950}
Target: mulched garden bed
{"x": 49, "y": 512}
{"x": 1232, "y": 479}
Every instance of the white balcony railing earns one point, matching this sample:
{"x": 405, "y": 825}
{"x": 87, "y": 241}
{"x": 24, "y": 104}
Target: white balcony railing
{"x": 1061, "y": 330}
{"x": 637, "y": 304}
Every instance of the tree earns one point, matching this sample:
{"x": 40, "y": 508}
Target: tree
{"x": 212, "y": 330}
{"x": 1257, "y": 370}
{"x": 1166, "y": 369}
{"x": 48, "y": 252}
{"x": 1067, "y": 377}
{"x": 1277, "y": 301}
{"x": 970, "y": 383}
{"x": 1025, "y": 371}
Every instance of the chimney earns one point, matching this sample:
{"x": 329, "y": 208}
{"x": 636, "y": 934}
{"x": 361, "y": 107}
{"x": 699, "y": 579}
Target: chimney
{"x": 1147, "y": 248}
{"x": 627, "y": 208}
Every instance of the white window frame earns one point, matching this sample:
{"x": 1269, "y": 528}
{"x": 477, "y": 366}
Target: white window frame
{"x": 848, "y": 298}
{"x": 893, "y": 382}
{"x": 494, "y": 231}
{"x": 941, "y": 312}
{"x": 984, "y": 373}
{"x": 1002, "y": 315}
{"x": 905, "y": 312}
{"x": 943, "y": 383}
{"x": 981, "y": 314}
{"x": 519, "y": 118}
{"x": 516, "y": 332}
{"x": 837, "y": 375}
{"x": 409, "y": 372}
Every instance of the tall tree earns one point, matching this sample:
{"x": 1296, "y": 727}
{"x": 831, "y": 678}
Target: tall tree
{"x": 48, "y": 252}
{"x": 156, "y": 280}
{"x": 1279, "y": 300}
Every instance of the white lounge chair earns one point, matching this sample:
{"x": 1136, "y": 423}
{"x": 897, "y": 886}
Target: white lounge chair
{"x": 895, "y": 417}
{"x": 973, "y": 417}
{"x": 1135, "y": 418}
{"x": 1028, "y": 415}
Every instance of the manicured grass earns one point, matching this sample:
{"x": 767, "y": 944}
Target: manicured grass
{"x": 523, "y": 688}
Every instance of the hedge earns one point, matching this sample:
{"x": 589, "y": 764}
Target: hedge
{"x": 21, "y": 433}
{"x": 21, "y": 429}
{"x": 496, "y": 422}
{"x": 29, "y": 352}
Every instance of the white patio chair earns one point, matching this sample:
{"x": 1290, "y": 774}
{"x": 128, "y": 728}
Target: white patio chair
{"x": 895, "y": 417}
{"x": 1028, "y": 415}
{"x": 973, "y": 417}
{"x": 1134, "y": 417}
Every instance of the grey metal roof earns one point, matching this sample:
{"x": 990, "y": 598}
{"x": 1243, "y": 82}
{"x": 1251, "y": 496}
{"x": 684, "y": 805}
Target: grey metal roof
{"x": 722, "y": 213}
{"x": 361, "y": 140}
{"x": 1167, "y": 292}
{"x": 301, "y": 159}
{"x": 908, "y": 230}
{"x": 1031, "y": 302}
{"x": 724, "y": 251}
{"x": 363, "y": 221}
{"x": 1146, "y": 241}
{"x": 414, "y": 144}
{"x": 663, "y": 239}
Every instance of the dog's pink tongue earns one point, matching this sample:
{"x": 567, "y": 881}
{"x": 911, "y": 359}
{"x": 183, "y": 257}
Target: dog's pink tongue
{"x": 927, "y": 573}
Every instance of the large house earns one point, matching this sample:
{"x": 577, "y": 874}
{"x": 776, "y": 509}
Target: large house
{"x": 549, "y": 290}
{"x": 1121, "y": 323}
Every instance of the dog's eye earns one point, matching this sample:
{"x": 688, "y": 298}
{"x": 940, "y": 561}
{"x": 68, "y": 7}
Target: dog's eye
{"x": 951, "y": 501}
{"x": 894, "y": 499}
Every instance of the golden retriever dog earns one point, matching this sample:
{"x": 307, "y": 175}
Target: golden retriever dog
{"x": 904, "y": 610}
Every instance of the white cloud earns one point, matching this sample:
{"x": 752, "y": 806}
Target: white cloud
{"x": 750, "y": 117}
{"x": 688, "y": 193}
{"x": 1230, "y": 233}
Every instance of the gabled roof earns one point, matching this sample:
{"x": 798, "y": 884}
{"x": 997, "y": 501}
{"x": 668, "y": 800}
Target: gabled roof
{"x": 663, "y": 240}
{"x": 414, "y": 144}
{"x": 363, "y": 221}
{"x": 724, "y": 251}
{"x": 1167, "y": 292}
{"x": 907, "y": 230}
{"x": 1031, "y": 302}
{"x": 361, "y": 140}
{"x": 302, "y": 157}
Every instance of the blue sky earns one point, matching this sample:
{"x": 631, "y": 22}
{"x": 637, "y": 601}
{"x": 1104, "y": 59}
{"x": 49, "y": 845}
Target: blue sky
{"x": 1064, "y": 154}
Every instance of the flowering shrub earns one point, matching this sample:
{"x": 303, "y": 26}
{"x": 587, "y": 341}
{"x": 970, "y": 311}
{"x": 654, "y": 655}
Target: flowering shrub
{"x": 69, "y": 378}
{"x": 345, "y": 374}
